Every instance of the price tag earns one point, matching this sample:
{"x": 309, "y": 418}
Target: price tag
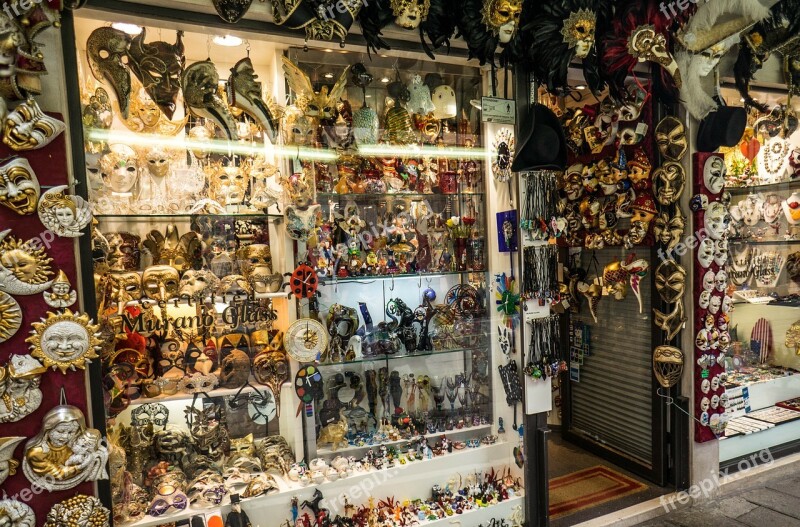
{"x": 497, "y": 110}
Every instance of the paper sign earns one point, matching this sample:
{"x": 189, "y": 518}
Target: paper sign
{"x": 497, "y": 110}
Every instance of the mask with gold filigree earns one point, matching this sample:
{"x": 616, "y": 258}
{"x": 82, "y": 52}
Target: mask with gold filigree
{"x": 227, "y": 185}
{"x": 409, "y": 14}
{"x": 578, "y": 32}
{"x": 28, "y": 128}
{"x": 107, "y": 52}
{"x": 646, "y": 44}
{"x": 319, "y": 104}
{"x": 321, "y": 19}
{"x": 158, "y": 65}
{"x": 501, "y": 18}
{"x": 181, "y": 252}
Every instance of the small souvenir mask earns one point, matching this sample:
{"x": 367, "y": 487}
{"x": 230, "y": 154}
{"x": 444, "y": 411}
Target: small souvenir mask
{"x": 671, "y": 138}
{"x": 158, "y": 65}
{"x": 10, "y": 317}
{"x": 24, "y": 266}
{"x": 22, "y": 387}
{"x": 64, "y": 429}
{"x": 120, "y": 168}
{"x": 19, "y": 187}
{"x": 578, "y": 32}
{"x": 716, "y": 220}
{"x": 60, "y": 295}
{"x": 64, "y": 214}
{"x": 501, "y": 18}
{"x": 16, "y": 514}
{"x": 714, "y": 174}
{"x": 704, "y": 299}
{"x": 646, "y": 44}
{"x": 667, "y": 365}
{"x": 65, "y": 341}
{"x": 670, "y": 281}
{"x": 705, "y": 252}
{"x": 107, "y": 51}
{"x": 721, "y": 252}
{"x": 200, "y": 91}
{"x": 668, "y": 183}
{"x": 708, "y": 280}
{"x": 8, "y": 465}
{"x": 124, "y": 254}
{"x": 160, "y": 282}
{"x": 300, "y": 224}
{"x": 28, "y": 128}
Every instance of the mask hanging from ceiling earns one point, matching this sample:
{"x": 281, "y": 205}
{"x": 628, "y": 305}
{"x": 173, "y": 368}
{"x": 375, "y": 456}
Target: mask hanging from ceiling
{"x": 107, "y": 52}
{"x": 231, "y": 11}
{"x": 245, "y": 93}
{"x": 158, "y": 66}
{"x": 200, "y": 91}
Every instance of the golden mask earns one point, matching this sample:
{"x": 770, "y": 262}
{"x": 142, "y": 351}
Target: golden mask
{"x": 28, "y": 128}
{"x": 65, "y": 341}
{"x": 578, "y": 32}
{"x": 320, "y": 104}
{"x": 501, "y": 17}
{"x": 19, "y": 188}
{"x": 24, "y": 266}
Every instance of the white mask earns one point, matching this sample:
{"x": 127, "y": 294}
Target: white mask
{"x": 726, "y": 304}
{"x": 716, "y": 221}
{"x": 708, "y": 281}
{"x": 721, "y": 252}
{"x": 714, "y": 174}
{"x": 721, "y": 281}
{"x": 705, "y": 253}
{"x": 704, "y": 299}
{"x": 714, "y": 305}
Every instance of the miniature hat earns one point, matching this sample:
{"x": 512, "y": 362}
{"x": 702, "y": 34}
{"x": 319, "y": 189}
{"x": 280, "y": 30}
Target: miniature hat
{"x": 722, "y": 127}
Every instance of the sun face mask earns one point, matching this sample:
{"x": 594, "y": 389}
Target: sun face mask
{"x": 671, "y": 138}
{"x": 158, "y": 65}
{"x": 19, "y": 187}
{"x": 28, "y": 128}
{"x": 107, "y": 51}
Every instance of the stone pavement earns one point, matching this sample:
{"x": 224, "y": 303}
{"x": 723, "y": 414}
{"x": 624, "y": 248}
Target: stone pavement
{"x": 774, "y": 503}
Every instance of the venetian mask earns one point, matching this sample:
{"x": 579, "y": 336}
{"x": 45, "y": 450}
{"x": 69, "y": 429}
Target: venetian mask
{"x": 157, "y": 160}
{"x": 200, "y": 91}
{"x": 198, "y": 284}
{"x": 714, "y": 174}
{"x": 319, "y": 104}
{"x": 155, "y": 414}
{"x": 227, "y": 185}
{"x": 19, "y": 187}
{"x": 62, "y": 213}
{"x": 704, "y": 299}
{"x": 271, "y": 368}
{"x": 107, "y": 51}
{"x": 234, "y": 369}
{"x": 714, "y": 305}
{"x": 644, "y": 208}
{"x": 668, "y": 183}
{"x": 120, "y": 168}
{"x": 671, "y": 138}
{"x": 300, "y": 224}
{"x": 639, "y": 170}
{"x": 161, "y": 282}
{"x": 298, "y": 128}
{"x": 245, "y": 93}
{"x": 721, "y": 252}
{"x": 125, "y": 286}
{"x": 124, "y": 253}
{"x": 667, "y": 365}
{"x": 444, "y": 102}
{"x": 501, "y": 18}
{"x": 631, "y": 107}
{"x": 669, "y": 229}
{"x": 573, "y": 182}
{"x": 646, "y": 44}
{"x": 670, "y": 323}
{"x": 670, "y": 281}
{"x": 28, "y": 128}
{"x": 716, "y": 220}
{"x": 199, "y": 136}
{"x": 708, "y": 280}
{"x": 158, "y": 65}
{"x": 705, "y": 252}
{"x": 410, "y": 13}
{"x": 234, "y": 285}
{"x": 340, "y": 130}
{"x": 578, "y": 32}
{"x": 721, "y": 281}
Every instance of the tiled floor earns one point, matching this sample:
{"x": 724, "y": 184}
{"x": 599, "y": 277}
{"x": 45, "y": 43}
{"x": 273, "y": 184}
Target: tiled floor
{"x": 773, "y": 504}
{"x": 565, "y": 458}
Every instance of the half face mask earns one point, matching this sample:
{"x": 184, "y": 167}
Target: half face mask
{"x": 123, "y": 252}
{"x": 158, "y": 66}
{"x": 161, "y": 282}
{"x": 668, "y": 183}
{"x": 646, "y": 44}
{"x": 714, "y": 174}
{"x": 200, "y": 91}
{"x": 716, "y": 220}
{"x": 107, "y": 51}
{"x": 120, "y": 168}
{"x": 670, "y": 281}
{"x": 578, "y": 32}
{"x": 501, "y": 18}
{"x": 410, "y": 13}
{"x": 28, "y": 128}
{"x": 245, "y": 93}
{"x": 125, "y": 286}
{"x": 671, "y": 138}
{"x": 19, "y": 188}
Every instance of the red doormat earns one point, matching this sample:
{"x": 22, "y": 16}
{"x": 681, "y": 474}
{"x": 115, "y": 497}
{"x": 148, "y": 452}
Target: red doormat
{"x": 587, "y": 488}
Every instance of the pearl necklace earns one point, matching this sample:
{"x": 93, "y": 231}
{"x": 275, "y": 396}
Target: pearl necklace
{"x": 775, "y": 156}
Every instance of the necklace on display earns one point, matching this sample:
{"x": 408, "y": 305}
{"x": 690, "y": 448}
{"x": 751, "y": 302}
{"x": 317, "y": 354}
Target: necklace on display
{"x": 774, "y": 158}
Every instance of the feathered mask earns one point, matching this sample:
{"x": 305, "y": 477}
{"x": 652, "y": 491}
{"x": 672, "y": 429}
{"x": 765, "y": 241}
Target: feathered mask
{"x": 557, "y": 31}
{"x": 486, "y": 25}
{"x": 320, "y": 104}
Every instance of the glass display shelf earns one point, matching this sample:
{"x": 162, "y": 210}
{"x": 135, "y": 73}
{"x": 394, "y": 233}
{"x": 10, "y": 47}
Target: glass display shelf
{"x": 751, "y": 241}
{"x": 781, "y": 185}
{"x": 480, "y": 430}
{"x": 288, "y": 489}
{"x": 382, "y": 358}
{"x": 186, "y": 396}
{"x": 141, "y": 216}
{"x": 367, "y": 280}
{"x": 333, "y": 195}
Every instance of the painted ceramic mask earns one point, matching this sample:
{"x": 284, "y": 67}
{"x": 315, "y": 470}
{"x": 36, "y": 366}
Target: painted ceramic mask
{"x": 704, "y": 299}
{"x": 24, "y": 266}
{"x": 300, "y": 224}
{"x": 410, "y": 13}
{"x": 668, "y": 183}
{"x": 107, "y": 52}
{"x": 19, "y": 187}
{"x": 714, "y": 174}
{"x": 120, "y": 168}
{"x": 28, "y": 128}
{"x": 66, "y": 215}
{"x": 245, "y": 93}
{"x": 716, "y": 220}
{"x": 65, "y": 341}
{"x": 158, "y": 65}
{"x": 61, "y": 294}
{"x": 708, "y": 280}
{"x": 201, "y": 93}
{"x": 10, "y": 317}
{"x": 20, "y": 388}
{"x": 721, "y": 252}
{"x": 639, "y": 168}
{"x": 646, "y": 44}
{"x": 124, "y": 253}
{"x": 705, "y": 252}
{"x": 671, "y": 138}
{"x": 65, "y": 426}
{"x": 501, "y": 18}
{"x": 14, "y": 513}
{"x": 670, "y": 281}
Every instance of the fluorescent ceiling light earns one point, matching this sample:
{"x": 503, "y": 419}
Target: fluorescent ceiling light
{"x": 131, "y": 29}
{"x": 228, "y": 41}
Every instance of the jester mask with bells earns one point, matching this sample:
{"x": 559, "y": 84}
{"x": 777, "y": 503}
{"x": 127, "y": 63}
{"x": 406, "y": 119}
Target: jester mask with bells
{"x": 200, "y": 91}
{"x": 29, "y": 128}
{"x": 322, "y": 104}
{"x": 561, "y": 31}
{"x": 19, "y": 187}
{"x": 245, "y": 92}
{"x": 158, "y": 65}
{"x": 63, "y": 213}
{"x": 107, "y": 52}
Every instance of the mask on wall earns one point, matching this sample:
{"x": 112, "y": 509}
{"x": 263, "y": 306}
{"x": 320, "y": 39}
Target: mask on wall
{"x": 669, "y": 229}
{"x": 231, "y": 11}
{"x": 501, "y": 18}
{"x": 120, "y": 168}
{"x": 24, "y": 266}
{"x": 670, "y": 281}
{"x": 158, "y": 65}
{"x": 671, "y": 138}
{"x": 668, "y": 182}
{"x": 19, "y": 187}
{"x": 647, "y": 45}
{"x": 65, "y": 341}
{"x": 28, "y": 128}
{"x": 300, "y": 224}
{"x": 200, "y": 91}
{"x": 63, "y": 213}
{"x": 245, "y": 93}
{"x": 107, "y": 51}
{"x": 409, "y": 14}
